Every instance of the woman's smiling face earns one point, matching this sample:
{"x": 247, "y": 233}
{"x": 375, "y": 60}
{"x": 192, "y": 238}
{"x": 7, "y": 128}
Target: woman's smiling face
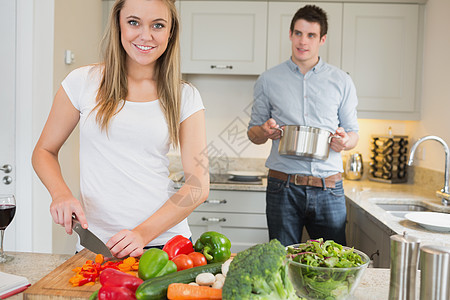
{"x": 145, "y": 30}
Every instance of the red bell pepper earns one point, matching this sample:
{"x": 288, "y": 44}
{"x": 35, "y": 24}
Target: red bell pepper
{"x": 178, "y": 245}
{"x": 115, "y": 293}
{"x": 112, "y": 277}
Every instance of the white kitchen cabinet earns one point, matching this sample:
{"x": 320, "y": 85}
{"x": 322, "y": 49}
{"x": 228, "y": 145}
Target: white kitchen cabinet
{"x": 222, "y": 37}
{"x": 279, "y": 20}
{"x": 239, "y": 215}
{"x": 380, "y": 52}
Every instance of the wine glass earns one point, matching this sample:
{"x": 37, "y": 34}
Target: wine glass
{"x": 7, "y": 212}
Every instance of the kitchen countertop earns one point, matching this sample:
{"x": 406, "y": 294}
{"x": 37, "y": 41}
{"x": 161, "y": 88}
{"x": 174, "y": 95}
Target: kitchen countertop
{"x": 374, "y": 283}
{"x": 366, "y": 193}
{"x": 33, "y": 266}
{"x": 240, "y": 186}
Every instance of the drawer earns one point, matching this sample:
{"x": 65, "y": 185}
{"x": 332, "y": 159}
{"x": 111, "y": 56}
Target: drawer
{"x": 243, "y": 230}
{"x": 234, "y": 201}
{"x": 228, "y": 219}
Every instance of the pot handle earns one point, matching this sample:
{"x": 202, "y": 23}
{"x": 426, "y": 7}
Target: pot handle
{"x": 280, "y": 129}
{"x": 333, "y": 136}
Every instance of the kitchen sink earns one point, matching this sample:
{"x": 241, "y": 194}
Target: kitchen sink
{"x": 400, "y": 210}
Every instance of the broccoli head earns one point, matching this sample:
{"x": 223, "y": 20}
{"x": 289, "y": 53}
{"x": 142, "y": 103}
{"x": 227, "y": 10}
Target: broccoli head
{"x": 259, "y": 272}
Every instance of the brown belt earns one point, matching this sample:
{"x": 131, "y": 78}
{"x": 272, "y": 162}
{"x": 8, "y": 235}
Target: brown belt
{"x": 297, "y": 179}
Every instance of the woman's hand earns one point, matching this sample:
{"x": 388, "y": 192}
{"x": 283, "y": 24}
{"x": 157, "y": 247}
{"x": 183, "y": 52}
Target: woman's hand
{"x": 126, "y": 243}
{"x": 63, "y": 207}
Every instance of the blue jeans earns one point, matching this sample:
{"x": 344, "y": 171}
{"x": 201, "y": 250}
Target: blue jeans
{"x": 289, "y": 207}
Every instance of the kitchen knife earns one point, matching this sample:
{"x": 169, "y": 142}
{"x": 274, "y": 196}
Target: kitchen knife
{"x": 90, "y": 240}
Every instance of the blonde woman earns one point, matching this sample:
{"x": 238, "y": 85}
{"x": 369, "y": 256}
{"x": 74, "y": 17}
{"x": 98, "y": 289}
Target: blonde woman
{"x": 130, "y": 109}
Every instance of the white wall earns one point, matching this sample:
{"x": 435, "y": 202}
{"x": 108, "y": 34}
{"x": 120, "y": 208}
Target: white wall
{"x": 42, "y": 69}
{"x": 435, "y": 112}
{"x": 79, "y": 28}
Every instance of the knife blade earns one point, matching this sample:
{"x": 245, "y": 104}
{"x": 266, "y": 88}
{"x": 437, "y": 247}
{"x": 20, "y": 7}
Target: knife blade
{"x": 90, "y": 240}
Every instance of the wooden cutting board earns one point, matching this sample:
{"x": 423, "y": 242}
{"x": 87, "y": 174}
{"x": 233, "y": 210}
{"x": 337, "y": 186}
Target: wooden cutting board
{"x": 56, "y": 285}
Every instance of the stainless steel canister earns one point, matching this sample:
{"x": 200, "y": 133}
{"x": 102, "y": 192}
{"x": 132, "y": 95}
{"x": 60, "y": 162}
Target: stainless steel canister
{"x": 354, "y": 167}
{"x": 404, "y": 263}
{"x": 302, "y": 142}
{"x": 434, "y": 273}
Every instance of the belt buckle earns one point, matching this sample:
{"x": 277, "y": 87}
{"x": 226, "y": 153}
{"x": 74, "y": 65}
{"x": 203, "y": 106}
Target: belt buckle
{"x": 295, "y": 179}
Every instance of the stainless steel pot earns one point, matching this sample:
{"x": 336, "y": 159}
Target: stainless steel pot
{"x": 301, "y": 142}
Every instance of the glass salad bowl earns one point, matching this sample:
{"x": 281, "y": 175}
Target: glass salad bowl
{"x": 335, "y": 281}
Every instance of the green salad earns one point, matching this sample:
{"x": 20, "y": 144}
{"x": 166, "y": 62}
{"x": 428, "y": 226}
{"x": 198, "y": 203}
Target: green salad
{"x": 328, "y": 269}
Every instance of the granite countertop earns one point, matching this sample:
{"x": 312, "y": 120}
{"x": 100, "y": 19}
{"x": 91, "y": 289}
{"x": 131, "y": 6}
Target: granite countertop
{"x": 366, "y": 194}
{"x": 374, "y": 283}
{"x": 240, "y": 186}
{"x": 33, "y": 266}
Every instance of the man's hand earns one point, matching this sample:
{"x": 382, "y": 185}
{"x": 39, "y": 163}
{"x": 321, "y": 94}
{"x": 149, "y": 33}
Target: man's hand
{"x": 269, "y": 129}
{"x": 347, "y": 140}
{"x": 260, "y": 134}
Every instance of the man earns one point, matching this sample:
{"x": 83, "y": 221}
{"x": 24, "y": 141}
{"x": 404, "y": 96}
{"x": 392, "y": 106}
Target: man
{"x": 305, "y": 90}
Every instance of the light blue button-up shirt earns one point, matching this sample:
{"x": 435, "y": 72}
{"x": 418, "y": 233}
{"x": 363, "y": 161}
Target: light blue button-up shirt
{"x": 325, "y": 97}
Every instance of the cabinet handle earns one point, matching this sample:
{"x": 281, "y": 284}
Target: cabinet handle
{"x": 216, "y": 220}
{"x": 216, "y": 201}
{"x": 221, "y": 67}
{"x": 6, "y": 168}
{"x": 373, "y": 254}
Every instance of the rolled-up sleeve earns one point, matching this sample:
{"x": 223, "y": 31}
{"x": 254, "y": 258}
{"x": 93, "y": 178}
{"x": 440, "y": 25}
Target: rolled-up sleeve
{"x": 261, "y": 110}
{"x": 347, "y": 110}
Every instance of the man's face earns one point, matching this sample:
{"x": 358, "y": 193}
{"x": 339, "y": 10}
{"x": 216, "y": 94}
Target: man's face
{"x": 306, "y": 42}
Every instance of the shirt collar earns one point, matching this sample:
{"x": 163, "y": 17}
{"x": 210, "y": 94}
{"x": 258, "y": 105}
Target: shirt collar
{"x": 316, "y": 69}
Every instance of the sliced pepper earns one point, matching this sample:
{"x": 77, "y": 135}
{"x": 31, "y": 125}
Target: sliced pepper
{"x": 178, "y": 245}
{"x": 111, "y": 277}
{"x": 214, "y": 246}
{"x": 155, "y": 262}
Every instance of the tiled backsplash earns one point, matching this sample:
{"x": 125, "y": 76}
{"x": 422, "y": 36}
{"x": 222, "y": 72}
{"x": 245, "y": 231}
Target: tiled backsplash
{"x": 433, "y": 180}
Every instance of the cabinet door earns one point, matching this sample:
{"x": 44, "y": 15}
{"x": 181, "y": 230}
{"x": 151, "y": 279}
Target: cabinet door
{"x": 379, "y": 51}
{"x": 279, "y": 44}
{"x": 239, "y": 215}
{"x": 220, "y": 37}
{"x": 368, "y": 235}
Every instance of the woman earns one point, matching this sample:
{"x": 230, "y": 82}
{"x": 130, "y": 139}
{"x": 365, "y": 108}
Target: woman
{"x": 130, "y": 109}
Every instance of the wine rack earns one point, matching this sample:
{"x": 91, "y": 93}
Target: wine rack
{"x": 388, "y": 158}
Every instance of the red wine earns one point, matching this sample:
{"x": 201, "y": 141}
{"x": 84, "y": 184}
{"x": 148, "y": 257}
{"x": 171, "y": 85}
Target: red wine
{"x": 7, "y": 212}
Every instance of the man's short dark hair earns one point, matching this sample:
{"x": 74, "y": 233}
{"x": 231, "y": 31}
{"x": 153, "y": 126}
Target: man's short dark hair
{"x": 312, "y": 13}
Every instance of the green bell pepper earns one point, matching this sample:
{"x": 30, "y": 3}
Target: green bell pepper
{"x": 214, "y": 246}
{"x": 155, "y": 262}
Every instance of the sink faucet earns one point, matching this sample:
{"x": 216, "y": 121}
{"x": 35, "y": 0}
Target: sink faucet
{"x": 444, "y": 192}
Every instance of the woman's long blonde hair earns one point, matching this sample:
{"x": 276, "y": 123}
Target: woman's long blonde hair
{"x": 113, "y": 86}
